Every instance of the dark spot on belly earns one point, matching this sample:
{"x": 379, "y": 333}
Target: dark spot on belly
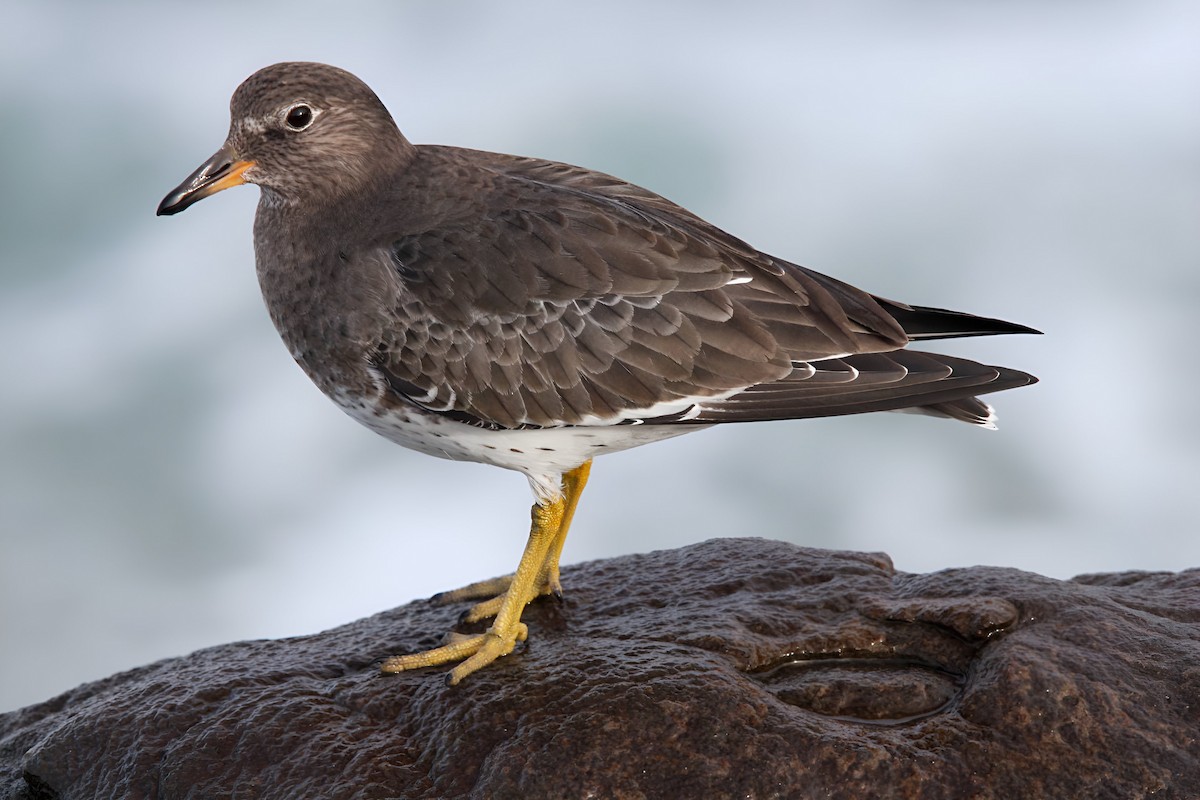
{"x": 515, "y": 450}
{"x": 546, "y": 449}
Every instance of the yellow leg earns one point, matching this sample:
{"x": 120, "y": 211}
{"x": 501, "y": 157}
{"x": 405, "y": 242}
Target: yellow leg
{"x": 573, "y": 483}
{"x": 493, "y": 590}
{"x": 537, "y": 573}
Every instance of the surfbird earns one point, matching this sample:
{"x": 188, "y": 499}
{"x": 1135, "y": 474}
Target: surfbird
{"x": 533, "y": 315}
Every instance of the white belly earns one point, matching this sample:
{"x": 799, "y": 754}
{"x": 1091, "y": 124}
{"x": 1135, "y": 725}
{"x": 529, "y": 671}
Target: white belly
{"x": 543, "y": 454}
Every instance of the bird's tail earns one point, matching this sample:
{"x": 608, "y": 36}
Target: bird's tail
{"x": 922, "y": 322}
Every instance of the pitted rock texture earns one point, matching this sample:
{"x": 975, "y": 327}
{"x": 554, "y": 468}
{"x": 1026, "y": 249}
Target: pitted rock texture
{"x": 735, "y": 668}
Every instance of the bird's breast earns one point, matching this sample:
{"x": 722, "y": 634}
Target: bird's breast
{"x": 328, "y": 310}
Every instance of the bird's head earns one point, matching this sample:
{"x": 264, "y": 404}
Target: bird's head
{"x": 298, "y": 129}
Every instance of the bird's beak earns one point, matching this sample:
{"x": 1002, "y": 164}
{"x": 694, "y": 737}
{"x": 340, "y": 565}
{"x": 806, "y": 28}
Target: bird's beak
{"x": 221, "y": 171}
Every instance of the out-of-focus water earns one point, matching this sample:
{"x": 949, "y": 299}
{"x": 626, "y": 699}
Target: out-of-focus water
{"x": 170, "y": 480}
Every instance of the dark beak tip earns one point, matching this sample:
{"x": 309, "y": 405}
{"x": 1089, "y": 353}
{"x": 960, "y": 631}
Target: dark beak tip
{"x": 175, "y": 202}
{"x": 205, "y": 180}
{"x": 178, "y": 199}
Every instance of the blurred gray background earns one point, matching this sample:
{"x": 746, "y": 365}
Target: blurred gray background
{"x": 171, "y": 480}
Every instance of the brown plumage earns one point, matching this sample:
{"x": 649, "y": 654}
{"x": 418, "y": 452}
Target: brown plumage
{"x": 532, "y": 314}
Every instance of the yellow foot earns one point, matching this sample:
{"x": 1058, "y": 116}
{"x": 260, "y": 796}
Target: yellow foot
{"x": 536, "y": 574}
{"x": 480, "y": 590}
{"x": 478, "y": 650}
{"x": 492, "y": 593}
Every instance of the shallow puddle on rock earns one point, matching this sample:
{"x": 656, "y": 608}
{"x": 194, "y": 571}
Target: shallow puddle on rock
{"x": 876, "y": 690}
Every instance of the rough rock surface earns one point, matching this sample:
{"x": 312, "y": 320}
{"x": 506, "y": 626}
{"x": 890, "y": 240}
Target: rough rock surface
{"x": 734, "y": 668}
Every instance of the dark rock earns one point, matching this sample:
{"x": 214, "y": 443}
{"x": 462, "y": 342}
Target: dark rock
{"x": 734, "y": 668}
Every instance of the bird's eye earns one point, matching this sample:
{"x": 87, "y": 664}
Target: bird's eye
{"x": 299, "y": 117}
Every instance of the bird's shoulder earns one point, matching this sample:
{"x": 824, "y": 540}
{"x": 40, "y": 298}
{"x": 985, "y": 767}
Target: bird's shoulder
{"x": 465, "y": 188}
{"x": 497, "y": 233}
{"x": 537, "y": 292}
